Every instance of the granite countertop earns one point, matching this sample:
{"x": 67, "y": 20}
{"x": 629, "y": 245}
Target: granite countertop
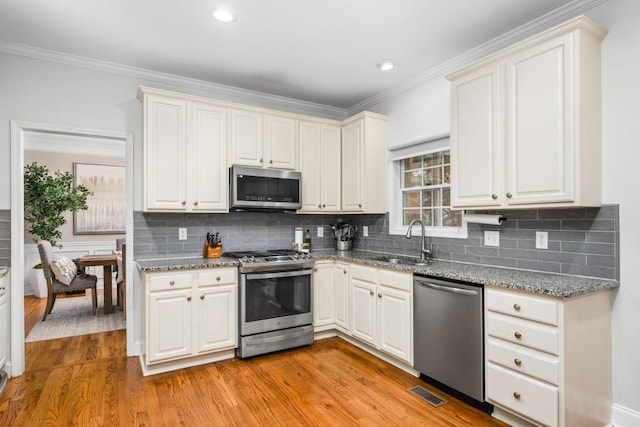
{"x": 558, "y": 285}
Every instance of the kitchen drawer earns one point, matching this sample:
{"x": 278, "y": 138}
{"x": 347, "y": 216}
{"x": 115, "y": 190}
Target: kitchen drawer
{"x": 365, "y": 274}
{"x": 526, "y": 307}
{"x": 531, "y": 398}
{"x": 217, "y": 276}
{"x": 165, "y": 281}
{"x": 524, "y": 360}
{"x": 397, "y": 280}
{"x": 524, "y": 332}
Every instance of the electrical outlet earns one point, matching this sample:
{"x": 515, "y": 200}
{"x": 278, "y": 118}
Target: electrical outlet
{"x": 365, "y": 231}
{"x": 491, "y": 238}
{"x": 320, "y": 232}
{"x": 182, "y": 234}
{"x": 542, "y": 240}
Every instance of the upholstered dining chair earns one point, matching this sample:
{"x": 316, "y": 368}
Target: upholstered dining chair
{"x": 80, "y": 281}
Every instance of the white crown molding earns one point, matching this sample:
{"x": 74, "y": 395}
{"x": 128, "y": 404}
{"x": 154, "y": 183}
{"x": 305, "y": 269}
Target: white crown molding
{"x": 219, "y": 91}
{"x": 542, "y": 23}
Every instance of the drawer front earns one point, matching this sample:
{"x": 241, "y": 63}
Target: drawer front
{"x": 525, "y": 332}
{"x": 533, "y": 399}
{"x": 366, "y": 274}
{"x": 397, "y": 280}
{"x": 217, "y": 276}
{"x": 164, "y": 281}
{"x": 524, "y": 306}
{"x": 523, "y": 360}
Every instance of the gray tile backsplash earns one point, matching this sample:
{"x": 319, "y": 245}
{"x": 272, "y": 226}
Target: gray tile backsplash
{"x": 5, "y": 238}
{"x": 582, "y": 241}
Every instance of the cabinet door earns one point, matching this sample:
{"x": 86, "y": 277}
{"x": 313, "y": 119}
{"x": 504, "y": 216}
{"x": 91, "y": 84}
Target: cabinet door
{"x": 395, "y": 323}
{"x": 363, "y": 310}
{"x": 353, "y": 166}
{"x": 169, "y": 329}
{"x": 540, "y": 131}
{"x": 217, "y": 318}
{"x": 310, "y": 166}
{"x": 476, "y": 139}
{"x": 281, "y": 142}
{"x": 341, "y": 296}
{"x": 4, "y": 328}
{"x": 165, "y": 153}
{"x": 323, "y": 295}
{"x": 246, "y": 138}
{"x": 330, "y": 178}
{"x": 208, "y": 159}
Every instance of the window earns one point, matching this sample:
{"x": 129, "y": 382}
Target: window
{"x": 422, "y": 189}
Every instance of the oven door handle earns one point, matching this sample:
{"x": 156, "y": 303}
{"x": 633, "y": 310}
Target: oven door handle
{"x": 279, "y": 274}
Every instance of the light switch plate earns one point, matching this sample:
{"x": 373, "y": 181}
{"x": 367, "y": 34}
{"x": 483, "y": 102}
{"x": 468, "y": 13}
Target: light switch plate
{"x": 365, "y": 231}
{"x": 182, "y": 234}
{"x": 491, "y": 238}
{"x": 320, "y": 232}
{"x": 542, "y": 240}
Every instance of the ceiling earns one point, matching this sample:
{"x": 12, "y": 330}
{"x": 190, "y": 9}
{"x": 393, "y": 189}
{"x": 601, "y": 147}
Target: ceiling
{"x": 322, "y": 51}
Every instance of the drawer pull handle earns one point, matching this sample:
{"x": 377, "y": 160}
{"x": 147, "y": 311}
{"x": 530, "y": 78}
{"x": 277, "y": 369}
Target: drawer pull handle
{"x": 518, "y": 362}
{"x": 516, "y": 307}
{"x": 172, "y": 282}
{"x": 517, "y": 335}
{"x": 202, "y": 297}
{"x": 516, "y": 395}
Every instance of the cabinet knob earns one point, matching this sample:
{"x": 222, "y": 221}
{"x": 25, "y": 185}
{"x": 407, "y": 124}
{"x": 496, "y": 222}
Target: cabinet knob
{"x": 494, "y": 196}
{"x": 202, "y": 297}
{"x": 315, "y": 269}
{"x": 217, "y": 278}
{"x": 516, "y": 307}
{"x": 370, "y": 292}
{"x": 184, "y": 203}
{"x": 518, "y": 362}
{"x": 195, "y": 203}
{"x": 344, "y": 271}
{"x": 379, "y": 295}
{"x": 261, "y": 161}
{"x": 188, "y": 298}
{"x": 517, "y": 335}
{"x": 172, "y": 282}
{"x": 324, "y": 206}
{"x": 319, "y": 206}
{"x": 359, "y": 205}
{"x": 509, "y": 195}
{"x": 270, "y": 161}
{"x": 516, "y": 395}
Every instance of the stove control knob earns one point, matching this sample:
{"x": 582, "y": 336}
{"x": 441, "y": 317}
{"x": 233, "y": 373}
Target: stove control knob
{"x": 244, "y": 259}
{"x": 252, "y": 259}
{"x": 296, "y": 256}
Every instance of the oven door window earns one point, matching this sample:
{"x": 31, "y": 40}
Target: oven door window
{"x": 271, "y": 297}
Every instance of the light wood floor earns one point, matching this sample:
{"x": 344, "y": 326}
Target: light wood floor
{"x": 88, "y": 381}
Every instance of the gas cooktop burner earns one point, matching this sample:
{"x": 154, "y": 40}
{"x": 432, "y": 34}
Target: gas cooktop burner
{"x": 270, "y": 260}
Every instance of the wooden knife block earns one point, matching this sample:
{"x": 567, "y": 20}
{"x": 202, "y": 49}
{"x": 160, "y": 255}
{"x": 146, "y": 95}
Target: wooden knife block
{"x": 209, "y": 251}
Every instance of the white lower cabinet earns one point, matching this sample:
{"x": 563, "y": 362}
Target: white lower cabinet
{"x": 330, "y": 296}
{"x": 548, "y": 360}
{"x": 190, "y": 315}
{"x": 381, "y": 310}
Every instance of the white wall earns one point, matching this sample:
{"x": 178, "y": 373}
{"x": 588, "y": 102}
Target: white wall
{"x": 422, "y": 113}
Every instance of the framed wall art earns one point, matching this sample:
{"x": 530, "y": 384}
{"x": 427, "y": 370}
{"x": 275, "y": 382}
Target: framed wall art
{"x": 106, "y": 212}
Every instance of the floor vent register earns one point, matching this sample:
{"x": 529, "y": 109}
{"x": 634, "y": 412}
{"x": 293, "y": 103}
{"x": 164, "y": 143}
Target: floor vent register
{"x": 427, "y": 396}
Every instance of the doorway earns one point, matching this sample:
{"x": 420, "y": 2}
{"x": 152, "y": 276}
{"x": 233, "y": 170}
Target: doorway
{"x": 21, "y": 134}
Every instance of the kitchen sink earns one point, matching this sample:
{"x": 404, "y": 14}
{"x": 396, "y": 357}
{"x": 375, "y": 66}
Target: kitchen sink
{"x": 401, "y": 261}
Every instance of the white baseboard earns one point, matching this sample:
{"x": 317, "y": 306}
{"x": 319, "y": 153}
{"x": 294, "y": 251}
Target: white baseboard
{"x": 624, "y": 417}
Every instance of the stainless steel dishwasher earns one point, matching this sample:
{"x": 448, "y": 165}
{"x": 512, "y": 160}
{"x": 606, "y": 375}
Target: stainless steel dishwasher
{"x": 448, "y": 337}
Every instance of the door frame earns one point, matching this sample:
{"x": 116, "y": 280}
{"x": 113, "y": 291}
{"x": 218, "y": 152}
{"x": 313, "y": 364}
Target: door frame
{"x": 16, "y": 363}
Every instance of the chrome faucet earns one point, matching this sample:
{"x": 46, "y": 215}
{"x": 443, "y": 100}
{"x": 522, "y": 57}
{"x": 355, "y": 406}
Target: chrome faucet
{"x": 425, "y": 252}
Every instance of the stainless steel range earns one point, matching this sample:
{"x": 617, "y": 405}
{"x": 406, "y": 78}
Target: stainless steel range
{"x": 276, "y": 300}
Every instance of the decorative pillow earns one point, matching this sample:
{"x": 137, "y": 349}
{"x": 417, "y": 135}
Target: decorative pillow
{"x": 64, "y": 269}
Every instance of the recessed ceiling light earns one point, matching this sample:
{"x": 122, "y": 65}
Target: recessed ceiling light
{"x": 385, "y": 65}
{"x": 224, "y": 15}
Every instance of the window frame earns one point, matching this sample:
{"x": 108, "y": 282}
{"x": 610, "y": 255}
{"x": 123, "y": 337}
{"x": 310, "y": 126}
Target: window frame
{"x": 395, "y": 192}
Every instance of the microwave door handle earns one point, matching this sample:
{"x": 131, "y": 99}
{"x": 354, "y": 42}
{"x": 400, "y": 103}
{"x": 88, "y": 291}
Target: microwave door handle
{"x": 279, "y": 274}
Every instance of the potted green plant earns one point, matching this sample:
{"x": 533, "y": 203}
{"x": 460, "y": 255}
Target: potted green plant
{"x": 46, "y": 198}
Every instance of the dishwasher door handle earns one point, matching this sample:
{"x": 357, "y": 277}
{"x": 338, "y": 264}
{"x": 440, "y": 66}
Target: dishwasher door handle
{"x": 451, "y": 289}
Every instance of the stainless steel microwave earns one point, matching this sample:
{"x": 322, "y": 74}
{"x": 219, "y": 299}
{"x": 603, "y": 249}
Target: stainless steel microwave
{"x": 253, "y": 188}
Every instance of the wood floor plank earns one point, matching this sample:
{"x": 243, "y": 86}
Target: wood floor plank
{"x": 88, "y": 380}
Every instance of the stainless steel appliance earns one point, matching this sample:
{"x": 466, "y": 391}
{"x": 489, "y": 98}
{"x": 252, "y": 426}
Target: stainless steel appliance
{"x": 276, "y": 301}
{"x": 448, "y": 337}
{"x": 253, "y": 188}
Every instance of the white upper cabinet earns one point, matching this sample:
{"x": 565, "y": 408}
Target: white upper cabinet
{"x": 263, "y": 140}
{"x": 364, "y": 164}
{"x": 320, "y": 166}
{"x": 185, "y": 157}
{"x": 525, "y": 128}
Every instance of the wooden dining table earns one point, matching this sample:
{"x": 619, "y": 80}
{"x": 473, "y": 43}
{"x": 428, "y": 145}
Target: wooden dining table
{"x": 106, "y": 261}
